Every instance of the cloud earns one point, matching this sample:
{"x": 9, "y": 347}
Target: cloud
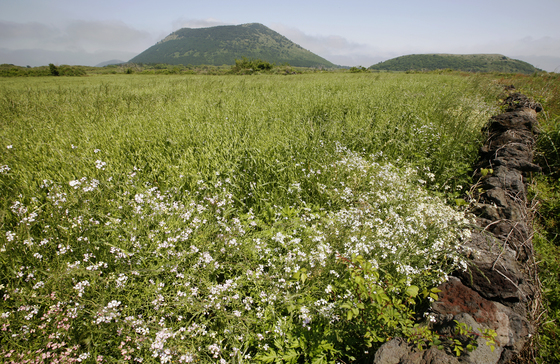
{"x": 76, "y": 43}
{"x": 42, "y": 57}
{"x": 547, "y": 63}
{"x": 541, "y": 52}
{"x": 330, "y": 44}
{"x": 197, "y": 23}
{"x": 106, "y": 35}
{"x": 92, "y": 42}
{"x": 529, "y": 46}
{"x": 19, "y": 31}
{"x": 335, "y": 48}
{"x": 25, "y": 35}
{"x": 88, "y": 36}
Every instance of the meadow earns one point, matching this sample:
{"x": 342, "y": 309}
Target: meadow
{"x": 229, "y": 219}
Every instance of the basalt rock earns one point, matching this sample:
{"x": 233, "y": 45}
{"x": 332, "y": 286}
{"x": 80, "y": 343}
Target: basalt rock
{"x": 493, "y": 292}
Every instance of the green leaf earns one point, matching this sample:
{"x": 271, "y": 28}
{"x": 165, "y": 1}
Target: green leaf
{"x": 384, "y": 297}
{"x": 412, "y": 291}
{"x": 291, "y": 356}
{"x": 269, "y": 357}
{"x": 491, "y": 344}
{"x": 319, "y": 359}
{"x": 303, "y": 277}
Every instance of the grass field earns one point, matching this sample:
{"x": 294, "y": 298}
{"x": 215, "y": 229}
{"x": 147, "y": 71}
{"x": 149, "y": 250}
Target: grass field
{"x": 228, "y": 218}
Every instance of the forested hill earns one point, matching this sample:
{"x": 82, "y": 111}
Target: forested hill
{"x": 459, "y": 62}
{"x": 222, "y": 45}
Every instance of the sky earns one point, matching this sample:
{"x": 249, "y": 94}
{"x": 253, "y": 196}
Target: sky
{"x": 347, "y": 33}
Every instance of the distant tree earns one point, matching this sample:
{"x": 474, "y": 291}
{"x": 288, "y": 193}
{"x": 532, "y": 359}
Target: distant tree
{"x": 176, "y": 69}
{"x": 358, "y": 69}
{"x": 263, "y": 65}
{"x": 53, "y": 69}
{"x": 251, "y": 65}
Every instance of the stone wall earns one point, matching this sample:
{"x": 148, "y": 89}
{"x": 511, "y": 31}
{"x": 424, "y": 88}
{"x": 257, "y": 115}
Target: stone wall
{"x": 496, "y": 289}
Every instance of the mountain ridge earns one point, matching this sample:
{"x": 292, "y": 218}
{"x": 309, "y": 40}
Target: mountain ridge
{"x": 222, "y": 45}
{"x": 109, "y": 63}
{"x": 458, "y": 62}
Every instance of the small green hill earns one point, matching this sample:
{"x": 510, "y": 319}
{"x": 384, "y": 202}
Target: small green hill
{"x": 224, "y": 44}
{"x": 458, "y": 62}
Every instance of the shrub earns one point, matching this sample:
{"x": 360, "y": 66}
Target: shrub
{"x": 251, "y": 65}
{"x": 53, "y": 69}
{"x": 358, "y": 69}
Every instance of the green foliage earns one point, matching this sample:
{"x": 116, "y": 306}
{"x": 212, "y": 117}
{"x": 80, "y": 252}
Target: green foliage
{"x": 244, "y": 65}
{"x": 467, "y": 63}
{"x": 549, "y": 275}
{"x": 461, "y": 338}
{"x": 358, "y": 69}
{"x": 53, "y": 70}
{"x": 546, "y": 242}
{"x": 548, "y": 146}
{"x": 379, "y": 309}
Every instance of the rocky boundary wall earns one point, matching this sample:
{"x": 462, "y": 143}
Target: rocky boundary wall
{"x": 496, "y": 290}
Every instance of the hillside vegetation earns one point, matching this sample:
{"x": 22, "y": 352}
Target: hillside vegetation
{"x": 457, "y": 62}
{"x": 222, "y": 45}
{"x": 10, "y": 70}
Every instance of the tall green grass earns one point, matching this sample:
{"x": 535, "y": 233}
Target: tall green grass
{"x": 219, "y": 218}
{"x": 174, "y": 124}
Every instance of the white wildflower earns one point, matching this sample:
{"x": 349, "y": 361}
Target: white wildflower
{"x": 100, "y": 164}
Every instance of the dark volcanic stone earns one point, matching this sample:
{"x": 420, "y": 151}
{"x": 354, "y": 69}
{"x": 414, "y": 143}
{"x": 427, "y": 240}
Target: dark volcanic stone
{"x": 493, "y": 291}
{"x": 495, "y": 284}
{"x": 518, "y": 101}
{"x": 456, "y": 298}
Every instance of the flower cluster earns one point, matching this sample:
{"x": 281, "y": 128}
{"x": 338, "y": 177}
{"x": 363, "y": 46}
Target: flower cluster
{"x": 179, "y": 264}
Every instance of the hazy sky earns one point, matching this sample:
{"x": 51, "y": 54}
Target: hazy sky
{"x": 349, "y": 33}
